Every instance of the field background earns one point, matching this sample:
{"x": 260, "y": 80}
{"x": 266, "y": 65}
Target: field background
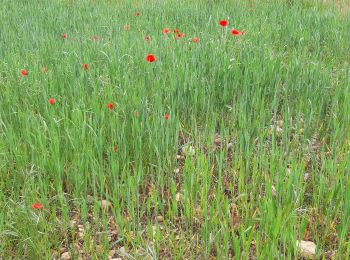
{"x": 254, "y": 156}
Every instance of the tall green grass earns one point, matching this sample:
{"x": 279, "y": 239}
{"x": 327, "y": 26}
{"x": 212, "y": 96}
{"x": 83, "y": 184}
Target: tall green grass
{"x": 278, "y": 97}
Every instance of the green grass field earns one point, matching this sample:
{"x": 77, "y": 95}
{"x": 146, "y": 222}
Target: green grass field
{"x": 225, "y": 147}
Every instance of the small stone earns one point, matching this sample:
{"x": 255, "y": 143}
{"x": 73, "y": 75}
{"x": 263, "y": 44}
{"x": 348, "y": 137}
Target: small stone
{"x": 122, "y": 251}
{"x": 160, "y": 218}
{"x": 65, "y": 256}
{"x": 177, "y": 170}
{"x": 230, "y": 146}
{"x": 106, "y": 204}
{"x": 81, "y": 231}
{"x": 178, "y": 197}
{"x": 307, "y": 248}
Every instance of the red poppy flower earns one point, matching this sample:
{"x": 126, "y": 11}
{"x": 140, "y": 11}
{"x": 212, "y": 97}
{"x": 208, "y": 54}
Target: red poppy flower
{"x": 236, "y": 32}
{"x": 167, "y": 116}
{"x": 24, "y": 73}
{"x": 52, "y": 101}
{"x": 110, "y": 106}
{"x": 86, "y": 66}
{"x": 137, "y": 14}
{"x": 166, "y": 30}
{"x": 64, "y": 36}
{"x": 115, "y": 148}
{"x": 147, "y": 38}
{"x": 150, "y": 58}
{"x": 223, "y": 23}
{"x": 37, "y": 205}
{"x": 176, "y": 31}
{"x": 195, "y": 39}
